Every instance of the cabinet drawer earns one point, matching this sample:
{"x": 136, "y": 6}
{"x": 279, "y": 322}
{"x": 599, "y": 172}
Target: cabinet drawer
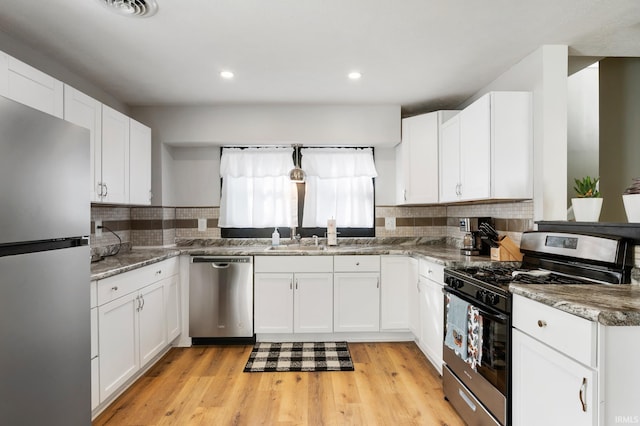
{"x": 119, "y": 285}
{"x": 293, "y": 264}
{"x": 567, "y": 333}
{"x": 363, "y": 263}
{"x": 433, "y": 271}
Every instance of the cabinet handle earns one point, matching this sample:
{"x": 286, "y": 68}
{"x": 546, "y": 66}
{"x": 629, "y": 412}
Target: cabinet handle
{"x": 138, "y": 303}
{"x": 142, "y": 299}
{"x": 296, "y": 284}
{"x": 159, "y": 272}
{"x": 405, "y": 194}
{"x": 583, "y": 391}
{"x": 291, "y": 285}
{"x": 542, "y": 323}
{"x": 377, "y": 282}
{"x": 150, "y": 195}
{"x": 357, "y": 263}
{"x": 114, "y": 288}
{"x": 106, "y": 189}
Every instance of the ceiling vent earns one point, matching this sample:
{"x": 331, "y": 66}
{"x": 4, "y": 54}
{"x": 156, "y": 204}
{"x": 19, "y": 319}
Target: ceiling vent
{"x": 133, "y": 8}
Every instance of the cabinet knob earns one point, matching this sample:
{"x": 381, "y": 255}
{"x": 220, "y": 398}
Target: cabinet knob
{"x": 542, "y": 323}
{"x": 114, "y": 288}
{"x": 357, "y": 263}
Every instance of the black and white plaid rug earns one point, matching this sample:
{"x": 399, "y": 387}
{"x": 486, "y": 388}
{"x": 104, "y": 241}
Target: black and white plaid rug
{"x": 299, "y": 356}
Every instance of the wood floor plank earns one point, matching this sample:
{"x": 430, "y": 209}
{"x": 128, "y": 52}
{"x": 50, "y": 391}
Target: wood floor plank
{"x": 393, "y": 383}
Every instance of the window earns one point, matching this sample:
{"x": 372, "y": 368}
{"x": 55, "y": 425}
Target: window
{"x": 257, "y": 194}
{"x": 256, "y": 190}
{"x": 339, "y": 186}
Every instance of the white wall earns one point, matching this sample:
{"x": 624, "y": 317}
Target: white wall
{"x": 194, "y": 176}
{"x": 544, "y": 73}
{"x": 176, "y": 178}
{"x": 48, "y": 65}
{"x": 582, "y": 126}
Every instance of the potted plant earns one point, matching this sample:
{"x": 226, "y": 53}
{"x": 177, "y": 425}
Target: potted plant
{"x": 587, "y": 207}
{"x": 631, "y": 200}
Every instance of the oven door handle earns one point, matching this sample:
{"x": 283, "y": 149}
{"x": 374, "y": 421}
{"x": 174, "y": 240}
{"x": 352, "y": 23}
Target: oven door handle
{"x": 498, "y": 317}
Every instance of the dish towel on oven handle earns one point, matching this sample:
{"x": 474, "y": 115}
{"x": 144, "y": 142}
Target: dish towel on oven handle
{"x": 474, "y": 337}
{"x": 457, "y": 325}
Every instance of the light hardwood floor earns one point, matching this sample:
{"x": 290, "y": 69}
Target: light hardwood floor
{"x": 393, "y": 384}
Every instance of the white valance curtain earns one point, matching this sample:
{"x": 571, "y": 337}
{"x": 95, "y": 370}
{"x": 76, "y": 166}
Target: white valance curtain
{"x": 340, "y": 186}
{"x": 256, "y": 189}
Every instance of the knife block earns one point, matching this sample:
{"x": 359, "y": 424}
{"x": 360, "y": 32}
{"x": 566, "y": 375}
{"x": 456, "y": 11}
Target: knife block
{"x": 506, "y": 251}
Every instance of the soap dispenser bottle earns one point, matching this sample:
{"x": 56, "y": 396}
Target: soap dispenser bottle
{"x": 275, "y": 238}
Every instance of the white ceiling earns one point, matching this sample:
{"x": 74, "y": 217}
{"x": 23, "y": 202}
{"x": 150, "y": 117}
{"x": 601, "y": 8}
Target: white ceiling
{"x": 421, "y": 54}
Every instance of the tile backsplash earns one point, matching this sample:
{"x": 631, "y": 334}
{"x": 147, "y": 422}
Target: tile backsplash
{"x": 161, "y": 226}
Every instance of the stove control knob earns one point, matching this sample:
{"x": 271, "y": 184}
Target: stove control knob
{"x": 480, "y": 294}
{"x": 459, "y": 284}
{"x": 491, "y": 299}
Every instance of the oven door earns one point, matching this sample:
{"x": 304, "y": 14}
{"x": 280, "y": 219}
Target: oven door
{"x": 487, "y": 375}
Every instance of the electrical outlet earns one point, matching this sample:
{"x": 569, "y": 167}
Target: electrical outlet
{"x": 390, "y": 223}
{"x": 202, "y": 224}
{"x": 97, "y": 224}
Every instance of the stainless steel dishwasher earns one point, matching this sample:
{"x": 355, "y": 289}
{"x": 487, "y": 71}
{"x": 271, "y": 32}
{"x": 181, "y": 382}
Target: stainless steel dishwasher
{"x": 221, "y": 299}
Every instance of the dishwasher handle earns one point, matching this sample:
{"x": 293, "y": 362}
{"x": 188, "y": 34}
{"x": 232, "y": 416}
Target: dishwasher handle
{"x": 220, "y": 265}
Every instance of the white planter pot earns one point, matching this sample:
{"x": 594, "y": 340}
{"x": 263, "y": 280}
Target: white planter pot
{"x": 632, "y": 207}
{"x": 586, "y": 209}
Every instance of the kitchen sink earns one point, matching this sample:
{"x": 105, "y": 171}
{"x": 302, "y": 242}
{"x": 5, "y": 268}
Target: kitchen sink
{"x": 295, "y": 247}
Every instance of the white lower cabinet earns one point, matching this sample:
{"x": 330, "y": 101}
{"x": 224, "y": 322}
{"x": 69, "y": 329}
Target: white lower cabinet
{"x": 293, "y": 294}
{"x": 549, "y": 387}
{"x": 273, "y": 303}
{"x": 396, "y": 274}
{"x": 356, "y": 301}
{"x": 294, "y": 303}
{"x": 152, "y": 322}
{"x": 135, "y": 311}
{"x": 431, "y": 302}
{"x": 172, "y": 306}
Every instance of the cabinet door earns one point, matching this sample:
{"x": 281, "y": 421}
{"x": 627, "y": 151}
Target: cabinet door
{"x": 85, "y": 111}
{"x": 152, "y": 322}
{"x": 118, "y": 343}
{"x": 273, "y": 303}
{"x": 475, "y": 150}
{"x": 172, "y": 306}
{"x": 32, "y": 87}
{"x": 431, "y": 321}
{"x": 139, "y": 164}
{"x": 395, "y": 277}
{"x": 449, "y": 156}
{"x": 115, "y": 156}
{"x": 356, "y": 301}
{"x": 313, "y": 303}
{"x": 413, "y": 297}
{"x": 402, "y": 165}
{"x": 550, "y": 388}
{"x": 95, "y": 383}
{"x": 423, "y": 158}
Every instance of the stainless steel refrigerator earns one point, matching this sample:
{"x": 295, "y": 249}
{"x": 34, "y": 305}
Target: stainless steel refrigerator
{"x": 45, "y": 373}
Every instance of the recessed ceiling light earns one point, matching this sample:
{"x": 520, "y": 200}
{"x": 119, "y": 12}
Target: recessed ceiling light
{"x": 226, "y": 74}
{"x": 355, "y": 75}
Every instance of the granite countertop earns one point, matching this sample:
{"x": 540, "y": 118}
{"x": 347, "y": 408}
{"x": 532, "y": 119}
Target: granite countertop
{"x": 129, "y": 260}
{"x": 608, "y": 304}
{"x": 138, "y": 257}
{"x": 616, "y": 305}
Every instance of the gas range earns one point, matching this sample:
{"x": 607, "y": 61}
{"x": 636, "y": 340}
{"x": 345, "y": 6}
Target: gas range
{"x": 477, "y": 315}
{"x": 549, "y": 258}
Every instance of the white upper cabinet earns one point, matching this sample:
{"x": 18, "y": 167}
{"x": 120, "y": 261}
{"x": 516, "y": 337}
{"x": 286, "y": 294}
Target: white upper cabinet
{"x": 139, "y": 163}
{"x": 115, "y": 156}
{"x": 86, "y": 112}
{"x": 29, "y": 86}
{"x": 450, "y": 160}
{"x": 486, "y": 152}
{"x": 417, "y": 158}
